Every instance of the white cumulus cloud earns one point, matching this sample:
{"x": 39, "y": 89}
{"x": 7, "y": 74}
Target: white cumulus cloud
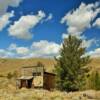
{"x": 5, "y": 3}
{"x": 21, "y": 28}
{"x": 4, "y": 20}
{"x": 22, "y": 50}
{"x": 41, "y": 48}
{"x": 97, "y": 23}
{"x": 19, "y": 50}
{"x": 79, "y": 20}
{"x": 94, "y": 53}
{"x": 45, "y": 48}
{"x": 6, "y": 54}
{"x": 88, "y": 43}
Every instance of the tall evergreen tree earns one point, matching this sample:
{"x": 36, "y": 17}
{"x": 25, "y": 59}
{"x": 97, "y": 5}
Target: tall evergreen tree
{"x": 71, "y": 65}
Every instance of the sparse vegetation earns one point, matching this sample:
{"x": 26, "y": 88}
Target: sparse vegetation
{"x": 1, "y": 75}
{"x": 95, "y": 80}
{"x": 9, "y": 75}
{"x": 8, "y": 86}
{"x": 15, "y": 74}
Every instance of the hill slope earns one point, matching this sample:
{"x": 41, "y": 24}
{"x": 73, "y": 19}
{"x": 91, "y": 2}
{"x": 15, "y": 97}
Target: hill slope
{"x": 9, "y": 65}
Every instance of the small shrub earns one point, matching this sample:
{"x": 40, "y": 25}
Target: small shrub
{"x": 15, "y": 74}
{"x": 9, "y": 75}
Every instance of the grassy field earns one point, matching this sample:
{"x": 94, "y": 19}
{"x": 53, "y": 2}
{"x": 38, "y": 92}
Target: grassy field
{"x": 8, "y": 91}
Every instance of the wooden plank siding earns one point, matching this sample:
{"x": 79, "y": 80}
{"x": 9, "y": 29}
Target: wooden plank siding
{"x": 49, "y": 81}
{"x": 36, "y": 77}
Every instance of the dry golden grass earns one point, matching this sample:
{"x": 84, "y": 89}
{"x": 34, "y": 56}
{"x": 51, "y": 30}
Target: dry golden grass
{"x": 10, "y": 65}
{"x": 8, "y": 91}
{"x": 95, "y": 63}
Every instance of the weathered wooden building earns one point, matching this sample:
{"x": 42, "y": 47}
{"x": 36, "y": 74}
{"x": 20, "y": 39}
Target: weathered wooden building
{"x": 36, "y": 77}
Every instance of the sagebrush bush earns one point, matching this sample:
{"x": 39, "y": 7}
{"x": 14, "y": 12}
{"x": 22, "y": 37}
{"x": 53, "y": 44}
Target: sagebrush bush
{"x": 9, "y": 75}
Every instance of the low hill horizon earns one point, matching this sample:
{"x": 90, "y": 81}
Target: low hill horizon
{"x": 11, "y": 65}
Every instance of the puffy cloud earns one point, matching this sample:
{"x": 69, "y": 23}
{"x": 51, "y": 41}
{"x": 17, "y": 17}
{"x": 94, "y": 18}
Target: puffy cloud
{"x": 42, "y": 48}
{"x": 95, "y": 53}
{"x": 48, "y": 18}
{"x": 22, "y": 50}
{"x": 19, "y": 50}
{"x": 5, "y": 3}
{"x": 6, "y": 54}
{"x": 64, "y": 35}
{"x": 12, "y": 47}
{"x": 2, "y": 52}
{"x": 88, "y": 43}
{"x": 97, "y": 23}
{"x": 78, "y": 20}
{"x": 4, "y": 20}
{"x": 21, "y": 28}
{"x": 45, "y": 48}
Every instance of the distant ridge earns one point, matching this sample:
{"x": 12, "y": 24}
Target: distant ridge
{"x": 10, "y": 65}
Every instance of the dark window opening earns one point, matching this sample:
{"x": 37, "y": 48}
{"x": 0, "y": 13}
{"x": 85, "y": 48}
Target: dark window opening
{"x": 37, "y": 74}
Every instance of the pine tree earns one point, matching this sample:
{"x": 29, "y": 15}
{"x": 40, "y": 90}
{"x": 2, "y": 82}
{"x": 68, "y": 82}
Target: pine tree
{"x": 71, "y": 65}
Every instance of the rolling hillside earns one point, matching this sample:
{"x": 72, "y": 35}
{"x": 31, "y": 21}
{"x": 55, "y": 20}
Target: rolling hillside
{"x": 10, "y": 65}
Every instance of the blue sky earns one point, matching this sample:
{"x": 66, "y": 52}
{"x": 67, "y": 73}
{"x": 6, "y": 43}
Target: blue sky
{"x": 36, "y": 28}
